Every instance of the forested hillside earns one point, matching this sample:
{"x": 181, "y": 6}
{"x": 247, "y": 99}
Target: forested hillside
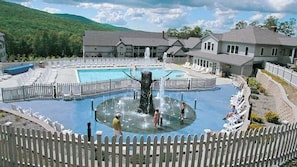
{"x": 32, "y": 33}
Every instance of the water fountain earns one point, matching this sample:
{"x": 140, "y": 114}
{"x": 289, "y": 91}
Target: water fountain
{"x": 137, "y": 114}
{"x": 164, "y": 57}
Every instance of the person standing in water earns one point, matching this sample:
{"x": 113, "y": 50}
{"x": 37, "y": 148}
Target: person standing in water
{"x": 182, "y": 111}
{"x": 156, "y": 118}
{"x": 116, "y": 125}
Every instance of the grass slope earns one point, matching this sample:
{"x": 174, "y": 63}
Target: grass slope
{"x": 18, "y": 20}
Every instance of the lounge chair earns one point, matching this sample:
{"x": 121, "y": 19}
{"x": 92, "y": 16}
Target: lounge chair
{"x": 76, "y": 92}
{"x": 66, "y": 92}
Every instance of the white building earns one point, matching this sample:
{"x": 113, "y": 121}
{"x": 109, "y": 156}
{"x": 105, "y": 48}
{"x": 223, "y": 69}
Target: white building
{"x": 235, "y": 52}
{"x": 238, "y": 51}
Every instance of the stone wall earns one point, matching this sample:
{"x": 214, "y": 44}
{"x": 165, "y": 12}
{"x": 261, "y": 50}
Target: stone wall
{"x": 285, "y": 108}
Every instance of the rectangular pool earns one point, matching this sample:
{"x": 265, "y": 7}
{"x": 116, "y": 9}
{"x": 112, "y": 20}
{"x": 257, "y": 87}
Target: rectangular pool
{"x": 92, "y": 75}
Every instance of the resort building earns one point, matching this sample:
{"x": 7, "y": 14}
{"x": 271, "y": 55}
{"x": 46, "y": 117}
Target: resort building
{"x": 241, "y": 51}
{"x": 235, "y": 52}
{"x": 133, "y": 44}
{"x": 2, "y": 48}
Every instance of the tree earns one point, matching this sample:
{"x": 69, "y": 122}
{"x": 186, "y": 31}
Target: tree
{"x": 254, "y": 23}
{"x": 206, "y": 32}
{"x": 288, "y": 27}
{"x": 241, "y": 25}
{"x": 196, "y": 32}
{"x": 172, "y": 32}
{"x": 185, "y": 32}
{"x": 271, "y": 22}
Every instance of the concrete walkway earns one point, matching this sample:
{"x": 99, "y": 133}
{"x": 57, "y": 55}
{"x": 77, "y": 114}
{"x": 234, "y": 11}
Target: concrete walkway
{"x": 69, "y": 75}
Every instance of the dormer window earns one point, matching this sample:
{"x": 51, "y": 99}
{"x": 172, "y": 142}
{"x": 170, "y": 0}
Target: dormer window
{"x": 246, "y": 50}
{"x": 232, "y": 49}
{"x": 236, "y": 49}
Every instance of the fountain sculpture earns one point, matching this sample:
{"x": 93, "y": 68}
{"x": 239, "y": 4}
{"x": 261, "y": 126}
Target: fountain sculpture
{"x": 141, "y": 121}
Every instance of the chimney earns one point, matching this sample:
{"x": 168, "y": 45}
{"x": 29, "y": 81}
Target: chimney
{"x": 163, "y": 34}
{"x": 273, "y": 28}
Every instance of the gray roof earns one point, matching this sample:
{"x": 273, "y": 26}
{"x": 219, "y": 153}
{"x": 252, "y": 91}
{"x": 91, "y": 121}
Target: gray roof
{"x": 191, "y": 42}
{"x": 173, "y": 50}
{"x": 111, "y": 38}
{"x": 145, "y": 41}
{"x": 218, "y": 36}
{"x": 253, "y": 35}
{"x": 232, "y": 59}
{"x": 172, "y": 40}
{"x": 288, "y": 41}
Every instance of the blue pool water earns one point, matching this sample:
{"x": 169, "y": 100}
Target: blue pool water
{"x": 91, "y": 75}
{"x": 212, "y": 106}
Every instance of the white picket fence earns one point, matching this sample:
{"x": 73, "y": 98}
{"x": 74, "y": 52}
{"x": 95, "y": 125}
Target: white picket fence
{"x": 78, "y": 90}
{"x": 264, "y": 147}
{"x": 286, "y": 74}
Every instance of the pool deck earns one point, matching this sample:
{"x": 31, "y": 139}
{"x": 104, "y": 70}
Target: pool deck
{"x": 69, "y": 75}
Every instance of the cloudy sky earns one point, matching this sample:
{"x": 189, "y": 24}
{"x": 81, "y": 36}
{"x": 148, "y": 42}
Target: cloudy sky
{"x": 159, "y": 15}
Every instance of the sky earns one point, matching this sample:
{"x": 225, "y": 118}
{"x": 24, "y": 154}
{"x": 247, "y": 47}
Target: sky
{"x": 159, "y": 15}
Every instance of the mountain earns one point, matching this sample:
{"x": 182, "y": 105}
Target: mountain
{"x": 17, "y": 19}
{"x": 91, "y": 22}
{"x": 41, "y": 34}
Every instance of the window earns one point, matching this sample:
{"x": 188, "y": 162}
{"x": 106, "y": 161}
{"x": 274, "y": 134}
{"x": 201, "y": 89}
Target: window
{"x": 228, "y": 48}
{"x": 275, "y": 52}
{"x": 232, "y": 49}
{"x": 212, "y": 46}
{"x": 262, "y": 51}
{"x": 205, "y": 45}
{"x": 236, "y": 49}
{"x": 246, "y": 50}
{"x": 208, "y": 45}
{"x": 121, "y": 51}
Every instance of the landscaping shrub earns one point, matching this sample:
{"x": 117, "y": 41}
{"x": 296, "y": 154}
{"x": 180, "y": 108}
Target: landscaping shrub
{"x": 256, "y": 118}
{"x": 137, "y": 159}
{"x": 262, "y": 89}
{"x": 254, "y": 97}
{"x": 253, "y": 83}
{"x": 255, "y": 126}
{"x": 165, "y": 156}
{"x": 17, "y": 118}
{"x": 254, "y": 90}
{"x": 103, "y": 155}
{"x": 2, "y": 114}
{"x": 272, "y": 117}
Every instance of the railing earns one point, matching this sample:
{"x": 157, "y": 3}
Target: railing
{"x": 287, "y": 74}
{"x": 264, "y": 147}
{"x": 79, "y": 90}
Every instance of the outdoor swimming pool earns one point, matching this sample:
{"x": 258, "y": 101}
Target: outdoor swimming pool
{"x": 212, "y": 106}
{"x": 91, "y": 75}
